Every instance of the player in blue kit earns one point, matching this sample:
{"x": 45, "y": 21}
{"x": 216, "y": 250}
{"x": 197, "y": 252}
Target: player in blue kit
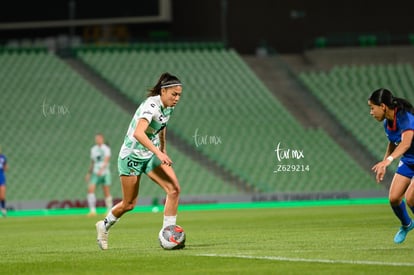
{"x": 398, "y": 117}
{"x": 3, "y": 169}
{"x": 144, "y": 151}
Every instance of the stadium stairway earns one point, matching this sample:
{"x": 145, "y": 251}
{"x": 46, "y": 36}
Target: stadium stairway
{"x": 326, "y": 59}
{"x": 59, "y": 82}
{"x": 255, "y": 98}
{"x": 305, "y": 107}
{"x": 50, "y": 115}
{"x": 123, "y": 101}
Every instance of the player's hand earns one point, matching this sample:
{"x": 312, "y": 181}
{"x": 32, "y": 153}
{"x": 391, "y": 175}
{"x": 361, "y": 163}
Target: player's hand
{"x": 164, "y": 158}
{"x": 87, "y": 177}
{"x": 380, "y": 169}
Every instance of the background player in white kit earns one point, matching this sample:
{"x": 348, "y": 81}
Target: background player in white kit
{"x": 144, "y": 151}
{"x": 99, "y": 174}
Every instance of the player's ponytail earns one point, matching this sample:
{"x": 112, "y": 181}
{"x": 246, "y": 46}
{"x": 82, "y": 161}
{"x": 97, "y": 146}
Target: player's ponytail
{"x": 403, "y": 104}
{"x": 166, "y": 80}
{"x": 384, "y": 96}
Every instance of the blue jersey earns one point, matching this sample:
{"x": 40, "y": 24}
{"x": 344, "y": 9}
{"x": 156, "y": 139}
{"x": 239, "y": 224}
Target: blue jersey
{"x": 403, "y": 121}
{"x": 3, "y": 162}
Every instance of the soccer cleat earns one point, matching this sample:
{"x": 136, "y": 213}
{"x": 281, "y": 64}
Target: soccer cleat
{"x": 102, "y": 237}
{"x": 91, "y": 214}
{"x": 4, "y": 212}
{"x": 402, "y": 233}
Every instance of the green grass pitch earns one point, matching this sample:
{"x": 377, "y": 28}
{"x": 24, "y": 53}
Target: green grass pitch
{"x": 329, "y": 239}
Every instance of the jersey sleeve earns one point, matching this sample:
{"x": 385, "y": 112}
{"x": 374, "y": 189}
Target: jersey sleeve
{"x": 406, "y": 121}
{"x": 107, "y": 151}
{"x": 148, "y": 110}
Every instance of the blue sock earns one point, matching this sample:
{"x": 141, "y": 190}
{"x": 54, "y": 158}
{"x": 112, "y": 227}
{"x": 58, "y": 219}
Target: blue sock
{"x": 412, "y": 208}
{"x": 2, "y": 204}
{"x": 401, "y": 212}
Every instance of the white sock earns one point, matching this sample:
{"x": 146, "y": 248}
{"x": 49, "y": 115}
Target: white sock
{"x": 108, "y": 202}
{"x": 92, "y": 202}
{"x": 169, "y": 220}
{"x": 110, "y": 220}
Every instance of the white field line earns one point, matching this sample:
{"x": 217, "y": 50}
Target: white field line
{"x": 287, "y": 259}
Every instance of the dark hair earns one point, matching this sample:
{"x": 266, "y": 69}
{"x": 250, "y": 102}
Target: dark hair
{"x": 384, "y": 96}
{"x": 166, "y": 79}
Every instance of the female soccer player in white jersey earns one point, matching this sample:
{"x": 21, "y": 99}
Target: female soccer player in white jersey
{"x": 99, "y": 174}
{"x": 144, "y": 151}
{"x": 398, "y": 117}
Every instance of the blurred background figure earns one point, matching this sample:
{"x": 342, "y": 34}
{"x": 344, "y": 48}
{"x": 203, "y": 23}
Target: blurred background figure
{"x": 99, "y": 174}
{"x": 3, "y": 169}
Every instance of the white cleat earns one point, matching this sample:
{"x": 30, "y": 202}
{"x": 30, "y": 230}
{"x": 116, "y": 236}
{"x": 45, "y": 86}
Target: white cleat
{"x": 102, "y": 237}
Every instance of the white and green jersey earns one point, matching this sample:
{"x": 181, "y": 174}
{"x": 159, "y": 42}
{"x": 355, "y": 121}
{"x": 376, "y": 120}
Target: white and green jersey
{"x": 98, "y": 155}
{"x": 157, "y": 115}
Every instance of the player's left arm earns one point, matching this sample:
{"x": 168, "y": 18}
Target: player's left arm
{"x": 88, "y": 174}
{"x": 163, "y": 140}
{"x": 404, "y": 145}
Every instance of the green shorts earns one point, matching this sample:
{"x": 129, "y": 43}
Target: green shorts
{"x": 130, "y": 166}
{"x": 104, "y": 179}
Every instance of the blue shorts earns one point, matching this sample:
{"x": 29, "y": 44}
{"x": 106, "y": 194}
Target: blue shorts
{"x": 405, "y": 170}
{"x": 2, "y": 180}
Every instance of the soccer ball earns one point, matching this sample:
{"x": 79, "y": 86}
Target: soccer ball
{"x": 172, "y": 237}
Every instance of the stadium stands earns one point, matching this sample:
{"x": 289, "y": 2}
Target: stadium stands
{"x": 229, "y": 115}
{"x": 344, "y": 90}
{"x": 50, "y": 115}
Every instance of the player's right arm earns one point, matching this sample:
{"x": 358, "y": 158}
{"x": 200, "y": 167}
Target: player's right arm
{"x": 139, "y": 134}
{"x": 163, "y": 143}
{"x": 88, "y": 175}
{"x": 390, "y": 148}
{"x": 380, "y": 167}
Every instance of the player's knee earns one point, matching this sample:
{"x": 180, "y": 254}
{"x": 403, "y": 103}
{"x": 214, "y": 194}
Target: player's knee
{"x": 410, "y": 201}
{"x": 173, "y": 190}
{"x": 128, "y": 206}
{"x": 175, "y": 193}
{"x": 395, "y": 200}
